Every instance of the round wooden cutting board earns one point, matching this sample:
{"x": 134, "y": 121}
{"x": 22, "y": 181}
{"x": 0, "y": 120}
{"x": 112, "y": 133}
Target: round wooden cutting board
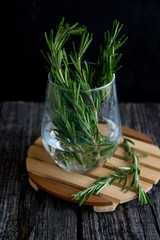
{"x": 45, "y": 174}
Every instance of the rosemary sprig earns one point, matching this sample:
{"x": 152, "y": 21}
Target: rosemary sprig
{"x": 86, "y": 76}
{"x": 107, "y": 62}
{"x": 135, "y": 170}
{"x": 121, "y": 173}
{"x": 75, "y": 110}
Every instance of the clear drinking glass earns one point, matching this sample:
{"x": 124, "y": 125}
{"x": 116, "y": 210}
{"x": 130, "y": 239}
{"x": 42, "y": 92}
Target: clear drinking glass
{"x": 91, "y": 132}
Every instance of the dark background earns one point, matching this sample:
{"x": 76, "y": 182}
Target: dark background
{"x": 23, "y": 76}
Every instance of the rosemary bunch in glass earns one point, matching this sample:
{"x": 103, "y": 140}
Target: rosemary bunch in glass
{"x": 76, "y": 122}
{"x": 121, "y": 173}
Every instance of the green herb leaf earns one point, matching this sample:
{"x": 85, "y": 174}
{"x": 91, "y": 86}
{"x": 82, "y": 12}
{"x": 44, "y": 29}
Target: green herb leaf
{"x": 102, "y": 182}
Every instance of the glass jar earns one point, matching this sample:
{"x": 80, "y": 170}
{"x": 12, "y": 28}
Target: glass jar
{"x": 81, "y": 129}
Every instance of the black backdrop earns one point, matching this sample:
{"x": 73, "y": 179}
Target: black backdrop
{"x": 23, "y": 76}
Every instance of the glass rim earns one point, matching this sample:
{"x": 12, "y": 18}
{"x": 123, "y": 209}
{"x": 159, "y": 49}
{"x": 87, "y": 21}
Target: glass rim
{"x": 88, "y": 90}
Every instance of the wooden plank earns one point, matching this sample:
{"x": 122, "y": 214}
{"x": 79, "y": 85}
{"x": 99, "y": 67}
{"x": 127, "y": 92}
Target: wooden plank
{"x": 145, "y": 147}
{"x": 39, "y": 153}
{"x": 105, "y": 208}
{"x": 129, "y": 132}
{"x": 65, "y": 192}
{"x": 146, "y": 185}
{"x": 149, "y": 175}
{"x": 76, "y": 180}
{"x": 33, "y": 184}
{"x": 150, "y": 162}
{"x": 38, "y": 142}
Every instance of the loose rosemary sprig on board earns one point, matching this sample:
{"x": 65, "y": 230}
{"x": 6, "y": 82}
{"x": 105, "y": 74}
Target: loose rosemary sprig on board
{"x": 121, "y": 173}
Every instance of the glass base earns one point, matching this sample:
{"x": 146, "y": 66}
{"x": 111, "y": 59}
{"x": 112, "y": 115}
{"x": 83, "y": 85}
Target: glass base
{"x": 84, "y": 158}
{"x": 80, "y": 162}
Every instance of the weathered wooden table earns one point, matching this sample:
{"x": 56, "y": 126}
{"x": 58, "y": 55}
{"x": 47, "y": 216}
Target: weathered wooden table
{"x": 27, "y": 214}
